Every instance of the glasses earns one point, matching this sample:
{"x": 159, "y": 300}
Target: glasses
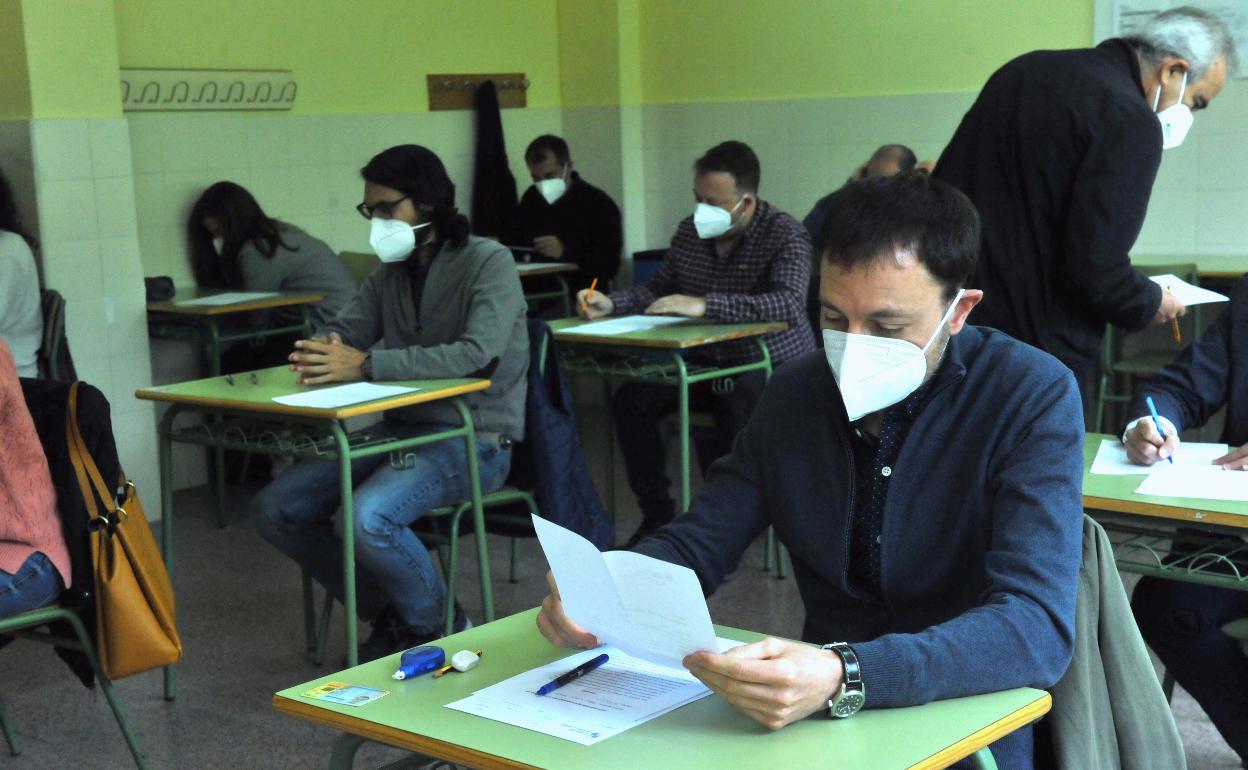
{"x": 383, "y": 209}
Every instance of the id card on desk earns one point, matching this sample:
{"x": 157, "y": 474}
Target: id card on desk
{"x": 346, "y": 694}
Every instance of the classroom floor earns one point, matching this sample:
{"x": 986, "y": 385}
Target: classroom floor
{"x": 241, "y": 622}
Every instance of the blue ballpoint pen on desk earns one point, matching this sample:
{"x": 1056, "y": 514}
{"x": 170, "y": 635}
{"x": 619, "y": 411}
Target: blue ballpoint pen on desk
{"x": 1157, "y": 421}
{"x": 573, "y": 675}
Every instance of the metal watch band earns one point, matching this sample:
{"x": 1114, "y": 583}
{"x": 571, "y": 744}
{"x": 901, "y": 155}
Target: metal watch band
{"x": 853, "y": 694}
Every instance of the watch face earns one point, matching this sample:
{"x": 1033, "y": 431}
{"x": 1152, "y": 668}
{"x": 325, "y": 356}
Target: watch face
{"x": 848, "y": 704}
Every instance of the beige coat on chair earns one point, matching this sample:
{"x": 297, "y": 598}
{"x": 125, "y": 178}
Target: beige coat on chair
{"x": 1108, "y": 708}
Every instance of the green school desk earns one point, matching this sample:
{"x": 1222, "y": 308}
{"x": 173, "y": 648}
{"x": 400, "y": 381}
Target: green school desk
{"x": 1145, "y": 529}
{"x": 613, "y": 358}
{"x": 251, "y": 421}
{"x": 170, "y": 319}
{"x": 705, "y": 734}
{"x": 553, "y": 270}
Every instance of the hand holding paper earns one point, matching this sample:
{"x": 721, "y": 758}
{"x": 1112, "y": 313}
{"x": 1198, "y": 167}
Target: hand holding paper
{"x": 1185, "y": 292}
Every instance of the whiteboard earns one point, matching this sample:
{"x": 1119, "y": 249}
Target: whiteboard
{"x": 1116, "y": 18}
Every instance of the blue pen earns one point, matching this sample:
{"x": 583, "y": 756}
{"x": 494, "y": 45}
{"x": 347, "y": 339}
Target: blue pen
{"x": 572, "y": 675}
{"x": 1157, "y": 421}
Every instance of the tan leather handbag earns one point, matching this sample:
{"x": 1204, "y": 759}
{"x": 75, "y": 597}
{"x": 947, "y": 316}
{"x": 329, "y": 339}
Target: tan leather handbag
{"x": 133, "y": 594}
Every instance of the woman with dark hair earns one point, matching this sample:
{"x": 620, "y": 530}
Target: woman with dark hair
{"x": 444, "y": 304}
{"x": 235, "y": 245}
{"x": 21, "y": 317}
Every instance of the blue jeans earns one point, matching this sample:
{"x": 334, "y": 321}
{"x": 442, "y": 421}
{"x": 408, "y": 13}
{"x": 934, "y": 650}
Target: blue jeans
{"x": 35, "y": 584}
{"x": 299, "y": 514}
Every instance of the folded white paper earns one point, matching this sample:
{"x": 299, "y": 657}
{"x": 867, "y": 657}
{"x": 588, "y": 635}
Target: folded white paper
{"x": 648, "y": 608}
{"x": 1187, "y": 293}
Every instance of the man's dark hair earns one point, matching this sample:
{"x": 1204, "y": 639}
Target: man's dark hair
{"x": 734, "y": 158}
{"x": 903, "y": 155}
{"x": 547, "y": 144}
{"x": 419, "y": 174}
{"x": 873, "y": 219}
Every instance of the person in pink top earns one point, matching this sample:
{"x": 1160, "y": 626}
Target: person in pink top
{"x": 34, "y": 562}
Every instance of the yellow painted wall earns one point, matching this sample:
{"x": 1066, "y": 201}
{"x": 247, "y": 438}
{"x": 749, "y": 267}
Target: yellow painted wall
{"x": 737, "y": 50}
{"x": 14, "y": 79}
{"x": 71, "y": 58}
{"x": 350, "y": 56}
{"x": 589, "y": 52}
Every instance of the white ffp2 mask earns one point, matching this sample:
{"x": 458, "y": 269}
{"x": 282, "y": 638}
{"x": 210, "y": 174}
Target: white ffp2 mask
{"x": 393, "y": 240}
{"x": 1176, "y": 120}
{"x": 712, "y": 221}
{"x": 218, "y": 245}
{"x": 551, "y": 189}
{"x": 873, "y": 373}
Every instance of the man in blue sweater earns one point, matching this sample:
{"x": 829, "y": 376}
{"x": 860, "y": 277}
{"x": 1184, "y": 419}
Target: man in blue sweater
{"x": 925, "y": 477}
{"x": 1183, "y": 622}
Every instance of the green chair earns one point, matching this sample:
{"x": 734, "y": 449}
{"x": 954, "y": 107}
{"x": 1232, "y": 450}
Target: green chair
{"x": 23, "y": 627}
{"x": 360, "y": 264}
{"x": 1157, "y": 348}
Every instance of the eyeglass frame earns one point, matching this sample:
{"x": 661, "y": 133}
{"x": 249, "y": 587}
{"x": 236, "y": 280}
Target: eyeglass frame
{"x": 367, "y": 211}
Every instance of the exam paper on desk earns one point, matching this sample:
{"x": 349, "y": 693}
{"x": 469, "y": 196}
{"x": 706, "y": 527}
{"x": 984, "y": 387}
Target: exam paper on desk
{"x": 1212, "y": 483}
{"x": 624, "y": 692}
{"x": 624, "y": 325}
{"x": 649, "y": 608}
{"x": 343, "y": 395}
{"x": 1111, "y": 459}
{"x": 229, "y": 298}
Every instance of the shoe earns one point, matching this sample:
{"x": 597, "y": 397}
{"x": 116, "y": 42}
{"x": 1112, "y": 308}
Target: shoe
{"x": 387, "y": 639}
{"x": 648, "y": 527}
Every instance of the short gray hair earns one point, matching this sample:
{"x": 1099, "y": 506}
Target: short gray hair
{"x": 1198, "y": 36}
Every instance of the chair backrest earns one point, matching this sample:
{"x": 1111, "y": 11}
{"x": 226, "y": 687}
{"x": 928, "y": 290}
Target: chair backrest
{"x": 55, "y": 362}
{"x": 359, "y": 263}
{"x": 645, "y": 263}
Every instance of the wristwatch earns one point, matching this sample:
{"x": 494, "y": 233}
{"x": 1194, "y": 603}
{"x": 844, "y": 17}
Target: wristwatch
{"x": 852, "y": 695}
{"x": 366, "y": 367}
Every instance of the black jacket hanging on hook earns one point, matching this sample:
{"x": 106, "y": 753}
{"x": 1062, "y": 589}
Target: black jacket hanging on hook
{"x": 493, "y": 186}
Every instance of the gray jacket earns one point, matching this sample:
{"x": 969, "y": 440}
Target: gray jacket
{"x": 471, "y": 324}
{"x": 1108, "y": 709}
{"x": 308, "y": 265}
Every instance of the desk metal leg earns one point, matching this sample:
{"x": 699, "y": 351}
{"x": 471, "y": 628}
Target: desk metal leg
{"x": 478, "y": 511}
{"x": 165, "y": 451}
{"x": 348, "y": 542}
{"x": 212, "y": 345}
{"x": 567, "y": 295}
{"x": 682, "y": 396}
{"x": 344, "y": 751}
{"x": 606, "y": 402}
{"x": 983, "y": 760}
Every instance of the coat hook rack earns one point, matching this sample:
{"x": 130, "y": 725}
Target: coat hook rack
{"x": 457, "y": 92}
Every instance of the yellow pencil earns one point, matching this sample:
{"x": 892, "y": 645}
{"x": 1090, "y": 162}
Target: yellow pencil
{"x": 585, "y": 300}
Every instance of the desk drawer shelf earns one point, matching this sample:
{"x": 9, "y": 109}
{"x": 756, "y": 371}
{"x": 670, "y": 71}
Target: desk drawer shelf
{"x": 1193, "y": 557}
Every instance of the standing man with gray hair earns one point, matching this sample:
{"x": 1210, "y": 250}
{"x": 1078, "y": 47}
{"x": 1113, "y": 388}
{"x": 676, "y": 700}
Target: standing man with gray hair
{"x": 1059, "y": 154}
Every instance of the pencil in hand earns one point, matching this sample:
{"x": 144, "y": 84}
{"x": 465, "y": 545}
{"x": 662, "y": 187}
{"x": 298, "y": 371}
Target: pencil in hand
{"x": 585, "y": 300}
{"x": 1174, "y": 324}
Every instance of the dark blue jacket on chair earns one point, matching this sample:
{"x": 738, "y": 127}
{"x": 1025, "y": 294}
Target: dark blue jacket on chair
{"x": 565, "y": 490}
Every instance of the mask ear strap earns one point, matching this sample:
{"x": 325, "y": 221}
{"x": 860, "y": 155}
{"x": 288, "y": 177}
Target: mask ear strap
{"x": 945, "y": 318}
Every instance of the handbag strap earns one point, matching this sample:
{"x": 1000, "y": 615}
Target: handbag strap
{"x": 84, "y": 465}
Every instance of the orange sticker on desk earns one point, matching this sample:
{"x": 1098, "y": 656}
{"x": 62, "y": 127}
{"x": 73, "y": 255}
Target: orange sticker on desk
{"x": 345, "y": 694}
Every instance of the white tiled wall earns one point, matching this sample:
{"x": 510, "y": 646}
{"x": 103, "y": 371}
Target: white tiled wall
{"x": 84, "y": 192}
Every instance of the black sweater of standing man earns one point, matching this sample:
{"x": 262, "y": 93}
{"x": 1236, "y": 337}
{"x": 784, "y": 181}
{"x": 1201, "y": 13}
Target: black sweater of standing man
{"x": 1059, "y": 154}
{"x": 585, "y": 220}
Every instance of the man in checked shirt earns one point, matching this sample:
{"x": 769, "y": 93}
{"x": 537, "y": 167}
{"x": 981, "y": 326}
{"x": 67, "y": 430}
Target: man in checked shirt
{"x": 737, "y": 259}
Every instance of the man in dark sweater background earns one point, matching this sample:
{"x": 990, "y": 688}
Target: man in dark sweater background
{"x": 1059, "y": 154}
{"x": 923, "y": 473}
{"x": 566, "y": 219}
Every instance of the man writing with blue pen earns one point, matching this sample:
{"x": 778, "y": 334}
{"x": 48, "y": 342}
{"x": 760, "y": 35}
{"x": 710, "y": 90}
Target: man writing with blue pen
{"x": 923, "y": 473}
{"x": 1183, "y": 622}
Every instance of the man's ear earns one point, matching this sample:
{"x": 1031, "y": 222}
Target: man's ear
{"x": 970, "y": 298}
{"x": 1173, "y": 68}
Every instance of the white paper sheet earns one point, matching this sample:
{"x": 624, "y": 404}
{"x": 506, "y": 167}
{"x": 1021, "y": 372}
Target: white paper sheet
{"x": 230, "y": 298}
{"x": 624, "y": 324}
{"x": 623, "y": 692}
{"x": 649, "y": 608}
{"x": 343, "y": 395}
{"x": 529, "y": 267}
{"x": 1202, "y": 483}
{"x": 1187, "y": 293}
{"x": 1111, "y": 458}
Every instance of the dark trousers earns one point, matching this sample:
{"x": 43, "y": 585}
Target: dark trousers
{"x": 638, "y": 408}
{"x": 1183, "y": 622}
